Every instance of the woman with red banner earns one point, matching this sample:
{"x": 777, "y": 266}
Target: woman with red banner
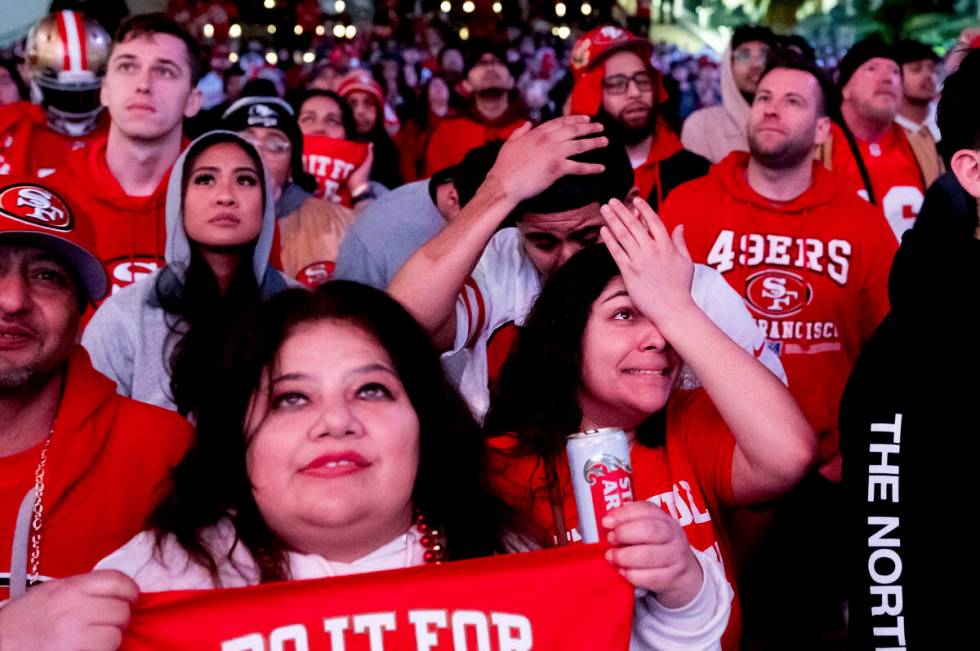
{"x": 317, "y": 460}
{"x": 605, "y": 346}
{"x": 342, "y": 168}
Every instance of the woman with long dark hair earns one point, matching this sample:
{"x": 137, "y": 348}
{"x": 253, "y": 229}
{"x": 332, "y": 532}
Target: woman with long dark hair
{"x": 604, "y": 346}
{"x": 332, "y": 444}
{"x": 159, "y": 338}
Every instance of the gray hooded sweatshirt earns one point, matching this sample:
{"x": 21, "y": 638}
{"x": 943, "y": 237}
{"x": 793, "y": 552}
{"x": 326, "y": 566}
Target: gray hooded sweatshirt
{"x": 129, "y": 338}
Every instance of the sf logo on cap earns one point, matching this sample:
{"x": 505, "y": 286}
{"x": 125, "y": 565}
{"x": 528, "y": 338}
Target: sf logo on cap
{"x": 35, "y": 206}
{"x": 260, "y": 114}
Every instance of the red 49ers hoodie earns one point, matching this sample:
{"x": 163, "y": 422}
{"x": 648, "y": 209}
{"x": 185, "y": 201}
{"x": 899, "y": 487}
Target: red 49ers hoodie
{"x": 813, "y": 271}
{"x": 130, "y": 231}
{"x": 107, "y": 467}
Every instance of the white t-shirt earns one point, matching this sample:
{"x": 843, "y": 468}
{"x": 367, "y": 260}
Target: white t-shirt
{"x": 505, "y": 284}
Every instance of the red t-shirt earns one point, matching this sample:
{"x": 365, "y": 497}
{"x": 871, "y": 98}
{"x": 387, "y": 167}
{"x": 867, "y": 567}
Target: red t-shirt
{"x": 895, "y": 176}
{"x": 812, "y": 271}
{"x": 689, "y": 477}
{"x": 108, "y": 466}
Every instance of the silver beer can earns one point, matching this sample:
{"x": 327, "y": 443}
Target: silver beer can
{"x": 602, "y": 477}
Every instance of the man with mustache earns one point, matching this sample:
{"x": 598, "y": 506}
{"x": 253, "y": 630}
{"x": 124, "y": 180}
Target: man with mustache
{"x": 871, "y": 154}
{"x": 921, "y": 68}
{"x": 615, "y": 83}
{"x": 493, "y": 114}
{"x": 810, "y": 260}
{"x": 81, "y": 467}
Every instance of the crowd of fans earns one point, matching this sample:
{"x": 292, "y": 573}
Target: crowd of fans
{"x": 341, "y": 317}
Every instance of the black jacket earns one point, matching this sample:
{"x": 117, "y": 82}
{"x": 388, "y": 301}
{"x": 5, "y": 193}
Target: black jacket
{"x": 910, "y": 438}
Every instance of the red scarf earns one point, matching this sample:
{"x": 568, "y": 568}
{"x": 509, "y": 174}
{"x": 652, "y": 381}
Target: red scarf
{"x": 567, "y": 598}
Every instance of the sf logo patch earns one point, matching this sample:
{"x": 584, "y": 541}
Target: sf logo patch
{"x": 777, "y": 293}
{"x": 35, "y": 206}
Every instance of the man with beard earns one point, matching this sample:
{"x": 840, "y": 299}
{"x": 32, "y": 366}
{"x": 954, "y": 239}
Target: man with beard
{"x": 810, "y": 260}
{"x": 81, "y": 467}
{"x": 870, "y": 152}
{"x": 493, "y": 114}
{"x": 615, "y": 83}
{"x": 715, "y": 131}
{"x": 473, "y": 284}
{"x": 916, "y": 114}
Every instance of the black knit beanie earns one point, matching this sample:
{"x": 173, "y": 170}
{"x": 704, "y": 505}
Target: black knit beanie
{"x": 871, "y": 47}
{"x": 270, "y": 112}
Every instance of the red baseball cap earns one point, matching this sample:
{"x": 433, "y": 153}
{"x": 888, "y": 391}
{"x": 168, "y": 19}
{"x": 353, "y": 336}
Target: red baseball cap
{"x": 360, "y": 79}
{"x": 587, "y": 55}
{"x": 34, "y": 211}
{"x": 592, "y": 47}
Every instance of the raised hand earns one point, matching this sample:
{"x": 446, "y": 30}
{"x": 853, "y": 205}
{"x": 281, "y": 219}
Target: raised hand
{"x": 656, "y": 265}
{"x": 532, "y": 159}
{"x": 650, "y": 550}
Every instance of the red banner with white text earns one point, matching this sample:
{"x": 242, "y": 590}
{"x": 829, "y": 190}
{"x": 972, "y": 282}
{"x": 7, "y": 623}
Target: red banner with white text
{"x": 560, "y": 599}
{"x": 331, "y": 161}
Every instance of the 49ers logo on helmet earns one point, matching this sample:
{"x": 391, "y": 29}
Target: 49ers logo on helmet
{"x": 777, "y": 293}
{"x": 316, "y": 273}
{"x": 36, "y": 206}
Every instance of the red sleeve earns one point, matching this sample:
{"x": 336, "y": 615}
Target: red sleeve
{"x": 694, "y": 423}
{"x": 683, "y": 206}
{"x": 880, "y": 242}
{"x": 438, "y": 154}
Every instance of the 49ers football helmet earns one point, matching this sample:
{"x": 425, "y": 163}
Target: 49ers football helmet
{"x": 66, "y": 61}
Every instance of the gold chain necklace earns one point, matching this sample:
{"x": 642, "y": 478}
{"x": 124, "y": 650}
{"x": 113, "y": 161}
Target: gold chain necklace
{"x": 37, "y": 520}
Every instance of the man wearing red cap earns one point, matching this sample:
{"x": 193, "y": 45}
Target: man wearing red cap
{"x": 494, "y": 113}
{"x": 81, "y": 468}
{"x": 615, "y": 82}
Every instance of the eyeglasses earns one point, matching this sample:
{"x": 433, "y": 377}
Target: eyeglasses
{"x": 272, "y": 145}
{"x": 619, "y": 84}
{"x": 744, "y": 56}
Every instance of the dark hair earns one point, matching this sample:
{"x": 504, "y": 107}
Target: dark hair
{"x": 211, "y": 483}
{"x": 578, "y": 190}
{"x": 472, "y": 171}
{"x": 147, "y": 25}
{"x": 200, "y": 317}
{"x": 346, "y": 114}
{"x": 790, "y": 60}
{"x": 477, "y": 48}
{"x": 748, "y": 33}
{"x": 259, "y": 87}
{"x": 535, "y": 396}
{"x": 11, "y": 67}
{"x": 958, "y": 115}
{"x": 386, "y": 168}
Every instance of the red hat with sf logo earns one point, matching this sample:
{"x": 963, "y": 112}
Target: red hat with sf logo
{"x": 591, "y": 50}
{"x": 34, "y": 211}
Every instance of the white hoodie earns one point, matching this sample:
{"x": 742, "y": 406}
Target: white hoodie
{"x": 716, "y": 131}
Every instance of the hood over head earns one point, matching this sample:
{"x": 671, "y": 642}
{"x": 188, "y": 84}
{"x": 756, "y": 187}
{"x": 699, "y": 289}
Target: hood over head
{"x": 731, "y": 97}
{"x": 178, "y": 249}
